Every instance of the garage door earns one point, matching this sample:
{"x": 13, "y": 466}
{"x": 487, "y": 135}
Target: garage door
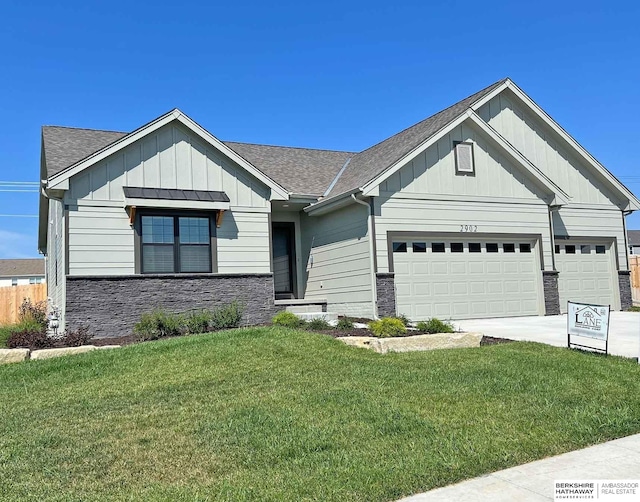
{"x": 456, "y": 279}
{"x": 585, "y": 273}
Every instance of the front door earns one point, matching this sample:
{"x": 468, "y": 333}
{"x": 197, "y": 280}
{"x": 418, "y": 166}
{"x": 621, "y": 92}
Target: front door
{"x": 283, "y": 260}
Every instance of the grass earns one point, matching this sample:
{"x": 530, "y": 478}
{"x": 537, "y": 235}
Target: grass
{"x": 277, "y": 414}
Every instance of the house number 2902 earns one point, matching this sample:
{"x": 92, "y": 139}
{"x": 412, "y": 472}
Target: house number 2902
{"x": 468, "y": 228}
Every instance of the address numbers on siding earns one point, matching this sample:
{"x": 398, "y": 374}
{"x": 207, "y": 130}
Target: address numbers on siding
{"x": 468, "y": 228}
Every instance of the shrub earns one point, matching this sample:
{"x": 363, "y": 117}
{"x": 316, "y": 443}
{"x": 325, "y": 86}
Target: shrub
{"x": 318, "y": 324}
{"x": 344, "y": 323}
{"x": 76, "y": 338}
{"x": 29, "y": 339}
{"x": 404, "y": 319}
{"x": 30, "y": 312}
{"x": 287, "y": 319}
{"x": 227, "y": 317}
{"x": 8, "y": 330}
{"x": 387, "y": 326}
{"x": 158, "y": 324}
{"x": 198, "y": 321}
{"x": 434, "y": 325}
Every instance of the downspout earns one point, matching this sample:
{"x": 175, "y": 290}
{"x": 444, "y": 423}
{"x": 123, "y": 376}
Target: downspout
{"x": 374, "y": 289}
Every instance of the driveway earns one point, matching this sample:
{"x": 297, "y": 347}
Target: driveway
{"x": 624, "y": 330}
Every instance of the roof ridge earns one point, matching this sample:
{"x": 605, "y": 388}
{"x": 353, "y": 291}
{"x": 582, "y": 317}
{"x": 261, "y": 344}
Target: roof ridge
{"x": 289, "y": 147}
{"x": 83, "y": 129}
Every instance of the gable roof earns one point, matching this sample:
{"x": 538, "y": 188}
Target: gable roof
{"x": 64, "y": 146}
{"x": 300, "y": 170}
{"x": 633, "y": 237}
{"x": 369, "y": 163}
{"x": 22, "y": 267}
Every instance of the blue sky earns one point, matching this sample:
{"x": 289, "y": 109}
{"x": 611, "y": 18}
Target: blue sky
{"x": 336, "y": 75}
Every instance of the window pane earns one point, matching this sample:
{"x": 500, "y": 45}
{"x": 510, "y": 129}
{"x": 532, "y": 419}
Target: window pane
{"x": 475, "y": 247}
{"x": 600, "y": 249}
{"x": 585, "y": 249}
{"x": 157, "y": 259}
{"x": 525, "y": 247}
{"x": 194, "y": 230}
{"x": 570, "y": 249}
{"x": 194, "y": 259}
{"x": 557, "y": 248}
{"x": 157, "y": 230}
{"x": 509, "y": 248}
{"x": 437, "y": 247}
{"x": 492, "y": 247}
{"x": 399, "y": 247}
{"x": 457, "y": 247}
{"x": 419, "y": 247}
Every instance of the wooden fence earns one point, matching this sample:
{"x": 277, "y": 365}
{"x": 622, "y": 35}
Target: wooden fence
{"x": 11, "y": 298}
{"x": 634, "y": 264}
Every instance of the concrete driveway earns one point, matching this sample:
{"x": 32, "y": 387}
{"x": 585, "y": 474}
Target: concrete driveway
{"x": 624, "y": 330}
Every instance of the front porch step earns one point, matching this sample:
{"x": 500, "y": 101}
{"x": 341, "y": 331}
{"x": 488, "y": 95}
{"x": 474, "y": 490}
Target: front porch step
{"x": 308, "y": 316}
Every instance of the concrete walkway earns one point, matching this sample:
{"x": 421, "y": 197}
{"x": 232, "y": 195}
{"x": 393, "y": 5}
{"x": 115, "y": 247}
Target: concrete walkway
{"x": 614, "y": 460}
{"x": 624, "y": 330}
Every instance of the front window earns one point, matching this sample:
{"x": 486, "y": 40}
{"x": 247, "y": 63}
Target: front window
{"x": 175, "y": 244}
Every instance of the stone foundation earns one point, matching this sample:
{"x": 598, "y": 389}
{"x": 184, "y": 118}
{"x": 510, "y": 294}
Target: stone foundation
{"x": 551, "y": 294}
{"x": 624, "y": 283}
{"x": 386, "y": 288}
{"x": 111, "y": 305}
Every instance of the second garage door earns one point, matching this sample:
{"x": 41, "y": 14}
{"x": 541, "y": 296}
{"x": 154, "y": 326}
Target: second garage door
{"x": 465, "y": 279}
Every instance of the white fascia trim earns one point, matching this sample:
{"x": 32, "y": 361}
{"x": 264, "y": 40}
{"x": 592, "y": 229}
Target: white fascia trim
{"x": 634, "y": 203}
{"x": 327, "y": 205}
{"x": 560, "y": 197}
{"x": 485, "y": 99}
{"x": 177, "y": 204}
{"x": 369, "y": 187}
{"x": 278, "y": 192}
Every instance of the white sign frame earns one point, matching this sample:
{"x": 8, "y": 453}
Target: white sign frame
{"x": 589, "y": 321}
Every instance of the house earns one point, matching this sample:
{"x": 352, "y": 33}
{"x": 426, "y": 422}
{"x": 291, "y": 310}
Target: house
{"x": 486, "y": 209}
{"x": 20, "y": 272}
{"x": 633, "y": 238}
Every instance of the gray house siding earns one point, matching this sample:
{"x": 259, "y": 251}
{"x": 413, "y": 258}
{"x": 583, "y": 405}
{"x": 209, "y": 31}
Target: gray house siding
{"x": 56, "y": 259}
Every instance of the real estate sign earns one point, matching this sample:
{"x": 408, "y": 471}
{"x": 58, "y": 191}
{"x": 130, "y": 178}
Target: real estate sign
{"x": 591, "y": 321}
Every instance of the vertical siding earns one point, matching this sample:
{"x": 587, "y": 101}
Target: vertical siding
{"x": 433, "y": 171}
{"x": 546, "y": 150}
{"x": 100, "y": 238}
{"x": 55, "y": 272}
{"x": 336, "y": 250}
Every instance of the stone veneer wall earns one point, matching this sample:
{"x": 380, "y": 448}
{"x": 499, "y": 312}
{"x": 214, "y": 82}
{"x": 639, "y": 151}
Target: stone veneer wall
{"x": 551, "y": 293}
{"x": 624, "y": 283}
{"x": 386, "y": 288}
{"x": 111, "y": 305}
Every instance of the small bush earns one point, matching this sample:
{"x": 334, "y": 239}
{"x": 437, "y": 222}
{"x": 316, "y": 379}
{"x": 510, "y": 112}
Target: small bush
{"x": 635, "y": 308}
{"x": 344, "y": 323}
{"x": 317, "y": 325}
{"x": 8, "y": 330}
{"x": 387, "y": 326}
{"x": 76, "y": 338}
{"x": 158, "y": 324}
{"x": 434, "y": 325}
{"x": 29, "y": 339}
{"x": 198, "y": 321}
{"x": 227, "y": 317}
{"x": 287, "y": 319}
{"x": 404, "y": 319}
{"x": 30, "y": 312}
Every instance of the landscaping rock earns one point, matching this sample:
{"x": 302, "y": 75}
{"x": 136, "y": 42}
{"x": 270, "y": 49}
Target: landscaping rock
{"x": 357, "y": 341}
{"x": 101, "y": 347}
{"x": 66, "y": 351}
{"x": 426, "y": 342}
{"x": 13, "y": 355}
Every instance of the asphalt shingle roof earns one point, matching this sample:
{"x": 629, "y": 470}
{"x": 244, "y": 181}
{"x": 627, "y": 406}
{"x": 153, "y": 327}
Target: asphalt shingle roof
{"x": 22, "y": 267}
{"x": 634, "y": 237}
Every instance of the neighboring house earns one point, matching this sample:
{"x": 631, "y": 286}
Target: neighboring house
{"x": 633, "y": 237}
{"x": 486, "y": 209}
{"x": 20, "y": 272}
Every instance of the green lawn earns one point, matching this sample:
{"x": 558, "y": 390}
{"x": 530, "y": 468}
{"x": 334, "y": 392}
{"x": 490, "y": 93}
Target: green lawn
{"x": 273, "y": 414}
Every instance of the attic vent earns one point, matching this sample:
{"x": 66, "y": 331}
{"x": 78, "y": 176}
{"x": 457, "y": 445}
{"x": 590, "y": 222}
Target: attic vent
{"x": 464, "y": 158}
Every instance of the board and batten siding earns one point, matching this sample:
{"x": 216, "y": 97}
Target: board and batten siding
{"x": 101, "y": 241}
{"x": 336, "y": 251}
{"x": 55, "y": 269}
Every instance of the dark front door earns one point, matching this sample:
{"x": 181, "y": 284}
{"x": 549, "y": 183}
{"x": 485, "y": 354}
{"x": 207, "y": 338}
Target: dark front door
{"x": 283, "y": 260}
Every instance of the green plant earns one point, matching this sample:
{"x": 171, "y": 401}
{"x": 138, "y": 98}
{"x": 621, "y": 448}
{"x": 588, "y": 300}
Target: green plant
{"x": 317, "y": 324}
{"x": 76, "y": 338}
{"x": 33, "y": 312}
{"x": 29, "y": 339}
{"x": 158, "y": 324}
{"x": 405, "y": 320}
{"x": 345, "y": 323}
{"x": 635, "y": 308}
{"x": 434, "y": 325}
{"x": 198, "y": 321}
{"x": 27, "y": 325}
{"x": 387, "y": 326}
{"x": 227, "y": 317}
{"x": 287, "y": 319}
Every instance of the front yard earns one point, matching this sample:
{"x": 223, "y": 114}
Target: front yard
{"x": 276, "y": 414}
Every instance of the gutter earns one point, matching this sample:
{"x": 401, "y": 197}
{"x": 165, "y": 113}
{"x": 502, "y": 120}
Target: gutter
{"x": 374, "y": 289}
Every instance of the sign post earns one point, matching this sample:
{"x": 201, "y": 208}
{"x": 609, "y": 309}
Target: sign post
{"x": 589, "y": 321}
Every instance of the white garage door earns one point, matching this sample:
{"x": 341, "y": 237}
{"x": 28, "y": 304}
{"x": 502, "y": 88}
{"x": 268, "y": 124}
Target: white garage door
{"x": 466, "y": 279}
{"x": 585, "y": 273}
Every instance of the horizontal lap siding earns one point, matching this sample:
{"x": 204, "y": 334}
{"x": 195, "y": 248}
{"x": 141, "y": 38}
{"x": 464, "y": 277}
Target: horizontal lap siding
{"x": 243, "y": 243}
{"x": 415, "y": 215}
{"x": 339, "y": 268}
